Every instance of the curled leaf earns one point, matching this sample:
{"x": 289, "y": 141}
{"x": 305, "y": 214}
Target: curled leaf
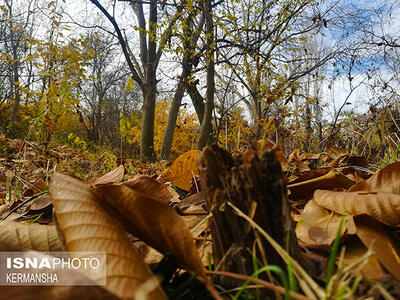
{"x": 380, "y": 206}
{"x": 317, "y": 227}
{"x": 114, "y": 176}
{"x": 86, "y": 226}
{"x": 153, "y": 222}
{"x": 374, "y": 236}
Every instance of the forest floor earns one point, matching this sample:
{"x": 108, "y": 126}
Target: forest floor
{"x": 345, "y": 216}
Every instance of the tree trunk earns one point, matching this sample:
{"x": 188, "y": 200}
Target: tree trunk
{"x": 255, "y": 185}
{"x": 172, "y": 117}
{"x": 205, "y": 135}
{"x": 197, "y": 100}
{"x": 147, "y": 153}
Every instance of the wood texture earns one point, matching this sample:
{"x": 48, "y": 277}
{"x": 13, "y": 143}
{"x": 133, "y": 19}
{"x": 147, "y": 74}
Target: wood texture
{"x": 246, "y": 181}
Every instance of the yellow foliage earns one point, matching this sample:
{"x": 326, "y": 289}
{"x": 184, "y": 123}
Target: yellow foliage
{"x": 183, "y": 170}
{"x": 235, "y": 131}
{"x": 185, "y": 134}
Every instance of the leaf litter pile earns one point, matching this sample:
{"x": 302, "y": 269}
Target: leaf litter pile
{"x": 156, "y": 226}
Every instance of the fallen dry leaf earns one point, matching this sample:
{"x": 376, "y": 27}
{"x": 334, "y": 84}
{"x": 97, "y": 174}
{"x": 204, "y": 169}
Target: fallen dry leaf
{"x": 40, "y": 203}
{"x": 381, "y": 206}
{"x": 147, "y": 185}
{"x": 324, "y": 179}
{"x": 295, "y": 161}
{"x": 86, "y": 226}
{"x": 354, "y": 250}
{"x": 182, "y": 170}
{"x": 385, "y": 180}
{"x": 153, "y": 222}
{"x": 112, "y": 177}
{"x": 30, "y": 236}
{"x": 317, "y": 227}
{"x": 341, "y": 158}
{"x": 335, "y": 152}
{"x": 373, "y": 236}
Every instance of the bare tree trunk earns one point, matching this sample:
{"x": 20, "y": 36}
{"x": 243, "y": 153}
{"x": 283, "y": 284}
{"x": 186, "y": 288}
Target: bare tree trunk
{"x": 147, "y": 135}
{"x": 190, "y": 39}
{"x": 197, "y": 100}
{"x": 15, "y": 43}
{"x": 145, "y": 75}
{"x": 172, "y": 117}
{"x": 205, "y": 135}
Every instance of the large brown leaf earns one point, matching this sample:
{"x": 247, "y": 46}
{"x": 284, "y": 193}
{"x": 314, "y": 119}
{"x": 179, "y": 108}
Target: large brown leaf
{"x": 373, "y": 236}
{"x": 383, "y": 207}
{"x": 155, "y": 223}
{"x": 295, "y": 162}
{"x": 30, "y": 236}
{"x": 356, "y": 249}
{"x": 385, "y": 180}
{"x": 317, "y": 227}
{"x": 86, "y": 226}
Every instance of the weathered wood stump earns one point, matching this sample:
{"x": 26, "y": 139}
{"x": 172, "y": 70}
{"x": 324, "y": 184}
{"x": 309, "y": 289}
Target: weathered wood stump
{"x": 246, "y": 182}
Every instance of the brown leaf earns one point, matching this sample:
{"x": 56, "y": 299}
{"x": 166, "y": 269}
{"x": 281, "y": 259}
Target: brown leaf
{"x": 112, "y": 177}
{"x": 373, "y": 236}
{"x": 153, "y": 222}
{"x": 354, "y": 250}
{"x": 309, "y": 156}
{"x": 149, "y": 186}
{"x": 300, "y": 189}
{"x": 30, "y": 236}
{"x": 385, "y": 180}
{"x": 295, "y": 161}
{"x": 40, "y": 203}
{"x": 342, "y": 158}
{"x": 182, "y": 170}
{"x": 3, "y": 181}
{"x": 196, "y": 199}
{"x": 86, "y": 226}
{"x": 317, "y": 227}
{"x": 381, "y": 206}
{"x": 335, "y": 152}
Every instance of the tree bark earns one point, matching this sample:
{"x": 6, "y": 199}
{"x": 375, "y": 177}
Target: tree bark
{"x": 147, "y": 131}
{"x": 255, "y": 185}
{"x": 197, "y": 100}
{"x": 205, "y": 136}
{"x": 172, "y": 117}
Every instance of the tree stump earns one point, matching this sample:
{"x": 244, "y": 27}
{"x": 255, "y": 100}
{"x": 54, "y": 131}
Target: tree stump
{"x": 248, "y": 181}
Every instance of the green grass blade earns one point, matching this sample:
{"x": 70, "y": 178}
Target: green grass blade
{"x": 275, "y": 269}
{"x": 334, "y": 251}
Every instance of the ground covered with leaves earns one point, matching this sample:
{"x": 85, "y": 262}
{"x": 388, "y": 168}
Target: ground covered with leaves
{"x": 154, "y": 219}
